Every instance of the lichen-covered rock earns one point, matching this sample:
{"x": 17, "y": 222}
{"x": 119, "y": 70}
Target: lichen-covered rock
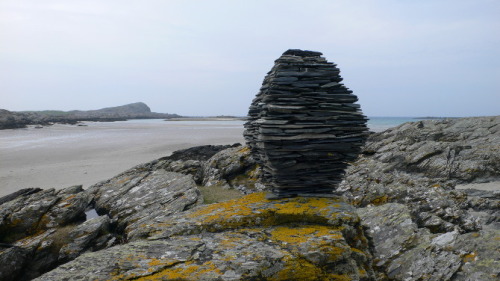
{"x": 92, "y": 234}
{"x": 391, "y": 228}
{"x": 479, "y": 255}
{"x": 140, "y": 194}
{"x": 42, "y": 229}
{"x": 233, "y": 168}
{"x": 12, "y": 262}
{"x": 30, "y": 213}
{"x": 190, "y": 161}
{"x": 246, "y": 239}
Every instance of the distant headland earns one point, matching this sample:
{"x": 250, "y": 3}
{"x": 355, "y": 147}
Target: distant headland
{"x": 20, "y": 119}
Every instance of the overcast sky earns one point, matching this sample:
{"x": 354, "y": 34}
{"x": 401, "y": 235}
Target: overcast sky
{"x": 199, "y": 58}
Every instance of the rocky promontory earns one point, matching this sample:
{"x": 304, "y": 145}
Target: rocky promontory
{"x": 139, "y": 110}
{"x": 396, "y": 216}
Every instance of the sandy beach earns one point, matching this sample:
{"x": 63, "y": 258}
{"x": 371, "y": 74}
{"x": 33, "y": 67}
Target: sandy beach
{"x": 63, "y": 155}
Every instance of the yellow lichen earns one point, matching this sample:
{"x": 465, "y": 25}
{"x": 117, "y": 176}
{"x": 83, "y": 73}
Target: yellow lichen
{"x": 244, "y": 149}
{"x": 303, "y": 234}
{"x": 297, "y": 269}
{"x": 124, "y": 180}
{"x": 294, "y": 223}
{"x": 254, "y": 210}
{"x": 69, "y": 198}
{"x": 380, "y": 200}
{"x": 469, "y": 257}
{"x": 301, "y": 269}
{"x": 338, "y": 277}
{"x": 229, "y": 209}
{"x": 186, "y": 271}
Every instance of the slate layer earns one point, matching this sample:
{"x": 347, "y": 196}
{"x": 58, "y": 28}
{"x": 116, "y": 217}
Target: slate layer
{"x": 304, "y": 126}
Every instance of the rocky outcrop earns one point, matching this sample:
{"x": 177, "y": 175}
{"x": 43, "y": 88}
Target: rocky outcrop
{"x": 304, "y": 126}
{"x": 419, "y": 163}
{"x": 191, "y": 161}
{"x": 141, "y": 195}
{"x": 14, "y": 120}
{"x": 405, "y": 251}
{"x": 394, "y": 221}
{"x": 139, "y": 110}
{"x": 233, "y": 168}
{"x": 246, "y": 239}
{"x": 41, "y": 229}
{"x": 462, "y": 150}
{"x": 421, "y": 227}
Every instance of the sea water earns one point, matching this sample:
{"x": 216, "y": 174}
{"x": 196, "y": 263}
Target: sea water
{"x": 375, "y": 124}
{"x": 379, "y": 124}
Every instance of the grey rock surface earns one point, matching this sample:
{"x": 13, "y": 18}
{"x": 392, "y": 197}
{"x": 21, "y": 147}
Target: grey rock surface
{"x": 233, "y": 168}
{"x": 139, "y": 195}
{"x": 465, "y": 149}
{"x": 421, "y": 227}
{"x": 31, "y": 213}
{"x": 41, "y": 229}
{"x": 419, "y": 163}
{"x": 403, "y": 251}
{"x": 190, "y": 161}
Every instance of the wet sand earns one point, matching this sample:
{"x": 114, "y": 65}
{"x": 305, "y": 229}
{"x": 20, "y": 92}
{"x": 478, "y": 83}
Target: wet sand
{"x": 63, "y": 155}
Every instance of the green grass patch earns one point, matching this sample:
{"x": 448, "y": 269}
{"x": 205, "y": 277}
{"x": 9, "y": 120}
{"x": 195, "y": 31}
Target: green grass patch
{"x": 215, "y": 194}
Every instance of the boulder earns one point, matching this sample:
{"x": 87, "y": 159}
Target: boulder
{"x": 41, "y": 229}
{"x": 190, "y": 161}
{"x": 141, "y": 194}
{"x": 233, "y": 168}
{"x": 40, "y": 210}
{"x": 246, "y": 239}
{"x": 403, "y": 251}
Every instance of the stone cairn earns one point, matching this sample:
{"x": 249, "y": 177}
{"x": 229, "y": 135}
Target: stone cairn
{"x": 303, "y": 126}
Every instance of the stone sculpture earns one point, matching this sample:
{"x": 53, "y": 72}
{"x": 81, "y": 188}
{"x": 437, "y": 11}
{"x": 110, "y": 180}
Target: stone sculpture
{"x": 304, "y": 126}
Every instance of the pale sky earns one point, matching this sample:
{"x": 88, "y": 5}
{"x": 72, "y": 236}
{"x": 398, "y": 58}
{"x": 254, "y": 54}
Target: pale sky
{"x": 200, "y": 58}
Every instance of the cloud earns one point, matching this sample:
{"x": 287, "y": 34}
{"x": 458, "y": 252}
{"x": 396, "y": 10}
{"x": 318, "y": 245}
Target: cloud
{"x": 209, "y": 57}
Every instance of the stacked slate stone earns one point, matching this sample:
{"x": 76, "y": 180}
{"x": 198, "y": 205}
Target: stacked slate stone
{"x": 304, "y": 126}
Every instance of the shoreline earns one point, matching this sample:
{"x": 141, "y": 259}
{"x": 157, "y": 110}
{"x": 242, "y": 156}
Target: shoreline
{"x": 65, "y": 155}
{"x": 207, "y": 119}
